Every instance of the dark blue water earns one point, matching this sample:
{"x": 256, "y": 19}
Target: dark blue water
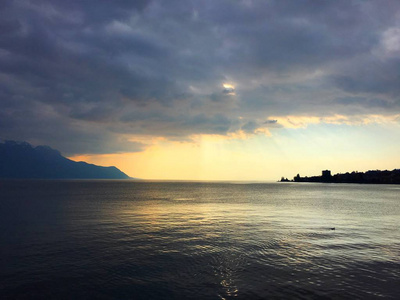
{"x": 149, "y": 240}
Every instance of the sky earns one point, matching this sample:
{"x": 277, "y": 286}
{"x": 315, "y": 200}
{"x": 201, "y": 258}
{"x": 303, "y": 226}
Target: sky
{"x": 205, "y": 90}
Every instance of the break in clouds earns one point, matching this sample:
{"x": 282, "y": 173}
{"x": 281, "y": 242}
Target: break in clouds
{"x": 90, "y": 76}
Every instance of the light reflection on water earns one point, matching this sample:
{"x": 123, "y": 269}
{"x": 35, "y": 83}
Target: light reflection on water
{"x": 143, "y": 240}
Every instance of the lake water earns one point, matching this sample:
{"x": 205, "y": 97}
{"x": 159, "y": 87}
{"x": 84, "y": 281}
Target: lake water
{"x": 190, "y": 240}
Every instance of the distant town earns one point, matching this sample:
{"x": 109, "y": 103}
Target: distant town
{"x": 369, "y": 177}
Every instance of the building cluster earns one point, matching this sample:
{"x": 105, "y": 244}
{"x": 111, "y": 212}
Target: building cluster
{"x": 375, "y": 177}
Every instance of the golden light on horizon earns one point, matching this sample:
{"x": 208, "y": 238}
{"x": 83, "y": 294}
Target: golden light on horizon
{"x": 304, "y": 145}
{"x": 257, "y": 158}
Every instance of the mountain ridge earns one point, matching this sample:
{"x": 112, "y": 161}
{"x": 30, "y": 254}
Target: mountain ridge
{"x": 22, "y": 160}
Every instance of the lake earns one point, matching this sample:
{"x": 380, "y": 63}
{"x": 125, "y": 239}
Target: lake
{"x": 198, "y": 240}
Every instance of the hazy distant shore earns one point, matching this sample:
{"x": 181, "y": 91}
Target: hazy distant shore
{"x": 369, "y": 177}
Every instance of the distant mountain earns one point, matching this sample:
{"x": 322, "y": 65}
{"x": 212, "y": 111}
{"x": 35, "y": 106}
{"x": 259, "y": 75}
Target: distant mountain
{"x": 21, "y": 160}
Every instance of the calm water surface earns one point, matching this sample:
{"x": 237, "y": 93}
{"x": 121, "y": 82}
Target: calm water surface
{"x": 165, "y": 240}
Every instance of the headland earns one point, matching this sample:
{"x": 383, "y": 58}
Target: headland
{"x": 369, "y": 177}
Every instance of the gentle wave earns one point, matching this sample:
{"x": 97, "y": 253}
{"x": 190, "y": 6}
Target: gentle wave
{"x": 198, "y": 240}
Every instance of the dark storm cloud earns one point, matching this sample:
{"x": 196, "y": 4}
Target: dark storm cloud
{"x": 250, "y": 127}
{"x": 368, "y": 102}
{"x": 87, "y": 76}
{"x": 228, "y": 90}
{"x": 372, "y": 76}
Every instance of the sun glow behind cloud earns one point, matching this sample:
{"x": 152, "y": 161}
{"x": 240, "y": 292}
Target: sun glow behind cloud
{"x": 228, "y": 86}
{"x": 229, "y": 89}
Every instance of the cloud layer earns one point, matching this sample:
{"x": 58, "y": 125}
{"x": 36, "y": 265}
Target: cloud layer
{"x": 92, "y": 76}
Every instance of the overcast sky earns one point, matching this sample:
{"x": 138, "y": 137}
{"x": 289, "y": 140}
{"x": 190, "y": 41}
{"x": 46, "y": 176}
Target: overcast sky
{"x": 93, "y": 77}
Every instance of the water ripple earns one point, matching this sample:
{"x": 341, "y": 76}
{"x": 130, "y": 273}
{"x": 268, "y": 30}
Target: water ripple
{"x": 198, "y": 241}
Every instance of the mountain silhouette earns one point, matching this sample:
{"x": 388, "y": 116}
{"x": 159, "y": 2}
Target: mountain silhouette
{"x": 21, "y": 160}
